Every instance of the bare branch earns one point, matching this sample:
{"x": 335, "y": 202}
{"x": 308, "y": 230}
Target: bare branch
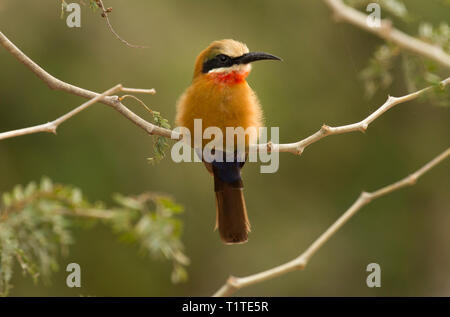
{"x": 114, "y": 102}
{"x": 325, "y": 130}
{"x": 235, "y": 283}
{"x": 57, "y": 84}
{"x": 105, "y": 15}
{"x": 53, "y": 125}
{"x": 389, "y": 33}
{"x": 138, "y": 91}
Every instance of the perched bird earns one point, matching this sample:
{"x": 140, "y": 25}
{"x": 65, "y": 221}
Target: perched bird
{"x": 220, "y": 96}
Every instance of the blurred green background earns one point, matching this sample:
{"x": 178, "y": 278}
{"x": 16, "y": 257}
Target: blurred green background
{"x": 103, "y": 153}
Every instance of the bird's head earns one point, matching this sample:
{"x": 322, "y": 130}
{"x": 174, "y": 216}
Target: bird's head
{"x": 227, "y": 61}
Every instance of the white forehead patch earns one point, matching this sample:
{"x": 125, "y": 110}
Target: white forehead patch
{"x": 235, "y": 50}
{"x": 229, "y": 47}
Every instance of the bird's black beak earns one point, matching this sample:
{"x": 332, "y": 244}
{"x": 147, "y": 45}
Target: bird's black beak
{"x": 253, "y": 57}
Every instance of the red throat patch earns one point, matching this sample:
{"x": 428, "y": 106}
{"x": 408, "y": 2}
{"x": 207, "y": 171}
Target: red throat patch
{"x": 230, "y": 78}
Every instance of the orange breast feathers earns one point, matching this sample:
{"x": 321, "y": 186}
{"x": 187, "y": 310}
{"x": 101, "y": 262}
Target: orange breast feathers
{"x": 221, "y": 100}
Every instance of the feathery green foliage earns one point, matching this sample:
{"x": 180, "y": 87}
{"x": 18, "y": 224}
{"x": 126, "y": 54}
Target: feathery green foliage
{"x": 418, "y": 71}
{"x": 160, "y": 143}
{"x": 378, "y": 73}
{"x": 35, "y": 223}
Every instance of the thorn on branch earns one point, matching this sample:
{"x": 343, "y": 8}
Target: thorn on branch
{"x": 325, "y": 129}
{"x": 299, "y": 150}
{"x": 233, "y": 282}
{"x": 412, "y": 179}
{"x": 363, "y": 127}
{"x": 300, "y": 264}
{"x": 115, "y": 99}
{"x": 51, "y": 127}
{"x": 269, "y": 146}
{"x": 366, "y": 197}
{"x": 391, "y": 99}
{"x": 104, "y": 13}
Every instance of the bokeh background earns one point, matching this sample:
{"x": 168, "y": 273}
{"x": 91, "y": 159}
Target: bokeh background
{"x": 318, "y": 82}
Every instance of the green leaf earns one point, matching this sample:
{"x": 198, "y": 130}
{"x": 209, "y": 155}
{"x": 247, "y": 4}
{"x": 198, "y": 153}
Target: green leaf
{"x": 128, "y": 202}
{"x": 7, "y": 199}
{"x": 46, "y": 184}
{"x": 35, "y": 227}
{"x": 171, "y": 205}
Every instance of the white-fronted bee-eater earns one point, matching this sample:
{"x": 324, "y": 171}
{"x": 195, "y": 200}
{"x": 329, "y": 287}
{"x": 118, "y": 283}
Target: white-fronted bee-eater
{"x": 221, "y": 97}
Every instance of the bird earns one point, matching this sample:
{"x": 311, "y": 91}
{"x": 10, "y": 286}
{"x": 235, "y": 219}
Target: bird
{"x": 220, "y": 96}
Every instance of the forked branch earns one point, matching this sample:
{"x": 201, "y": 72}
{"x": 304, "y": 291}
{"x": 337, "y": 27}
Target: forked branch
{"x": 114, "y": 102}
{"x": 387, "y": 32}
{"x": 57, "y": 84}
{"x": 325, "y": 130}
{"x": 105, "y": 12}
{"x": 53, "y": 125}
{"x": 235, "y": 283}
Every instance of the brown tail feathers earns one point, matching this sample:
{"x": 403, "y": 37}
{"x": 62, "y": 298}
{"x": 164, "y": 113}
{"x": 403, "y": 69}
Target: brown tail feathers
{"x": 232, "y": 219}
